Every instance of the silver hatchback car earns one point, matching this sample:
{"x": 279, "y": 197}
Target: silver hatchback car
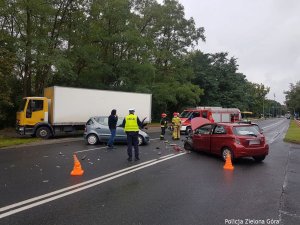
{"x": 97, "y": 130}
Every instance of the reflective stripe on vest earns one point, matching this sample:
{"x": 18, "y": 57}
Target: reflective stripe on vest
{"x": 131, "y": 123}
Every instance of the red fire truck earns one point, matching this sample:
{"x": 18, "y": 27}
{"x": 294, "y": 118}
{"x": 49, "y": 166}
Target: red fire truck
{"x": 215, "y": 114}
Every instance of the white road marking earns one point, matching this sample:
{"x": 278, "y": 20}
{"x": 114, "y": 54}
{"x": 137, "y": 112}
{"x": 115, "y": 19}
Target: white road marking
{"x": 274, "y": 124}
{"x": 276, "y": 136}
{"x": 72, "y": 187}
{"x": 86, "y": 185}
{"x": 92, "y": 149}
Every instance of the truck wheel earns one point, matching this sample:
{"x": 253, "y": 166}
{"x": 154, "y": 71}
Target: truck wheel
{"x": 140, "y": 140}
{"x": 92, "y": 139}
{"x": 43, "y": 132}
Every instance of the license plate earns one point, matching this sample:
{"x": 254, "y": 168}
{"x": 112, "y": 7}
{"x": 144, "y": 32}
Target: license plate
{"x": 254, "y": 142}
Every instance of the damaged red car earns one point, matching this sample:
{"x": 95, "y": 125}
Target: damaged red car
{"x": 240, "y": 140}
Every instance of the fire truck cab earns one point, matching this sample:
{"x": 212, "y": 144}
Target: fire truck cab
{"x": 214, "y": 114}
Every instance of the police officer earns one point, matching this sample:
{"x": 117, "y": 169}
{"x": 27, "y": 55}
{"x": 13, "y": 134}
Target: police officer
{"x": 163, "y": 125}
{"x": 131, "y": 124}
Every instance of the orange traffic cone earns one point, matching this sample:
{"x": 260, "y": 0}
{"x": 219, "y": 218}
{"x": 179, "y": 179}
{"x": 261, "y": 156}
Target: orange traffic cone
{"x": 77, "y": 170}
{"x": 228, "y": 164}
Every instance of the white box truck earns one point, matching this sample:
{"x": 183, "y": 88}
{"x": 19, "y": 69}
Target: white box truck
{"x": 66, "y": 109}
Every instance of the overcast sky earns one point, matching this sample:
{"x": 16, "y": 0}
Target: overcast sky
{"x": 264, "y": 36}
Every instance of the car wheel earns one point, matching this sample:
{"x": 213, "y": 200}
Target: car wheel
{"x": 140, "y": 140}
{"x": 188, "y": 131}
{"x": 92, "y": 139}
{"x": 43, "y": 132}
{"x": 187, "y": 146}
{"x": 225, "y": 151}
{"x": 259, "y": 158}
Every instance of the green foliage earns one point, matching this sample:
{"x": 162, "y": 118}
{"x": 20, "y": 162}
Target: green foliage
{"x": 293, "y": 98}
{"x": 10, "y": 141}
{"x": 7, "y": 62}
{"x": 293, "y": 133}
{"x": 174, "y": 96}
{"x": 128, "y": 45}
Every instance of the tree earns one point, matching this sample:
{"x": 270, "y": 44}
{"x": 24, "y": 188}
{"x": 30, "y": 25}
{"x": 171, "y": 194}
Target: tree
{"x": 217, "y": 75}
{"x": 257, "y": 96}
{"x": 7, "y": 62}
{"x": 292, "y": 98}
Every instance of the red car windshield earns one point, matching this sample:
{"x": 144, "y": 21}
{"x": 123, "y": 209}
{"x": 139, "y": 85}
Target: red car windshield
{"x": 245, "y": 131}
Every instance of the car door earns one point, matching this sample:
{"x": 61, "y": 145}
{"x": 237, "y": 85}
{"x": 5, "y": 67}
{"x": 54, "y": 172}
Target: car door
{"x": 120, "y": 133}
{"x": 218, "y": 138}
{"x": 101, "y": 128}
{"x": 201, "y": 138}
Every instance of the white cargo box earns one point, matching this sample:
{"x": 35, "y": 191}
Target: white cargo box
{"x": 76, "y": 105}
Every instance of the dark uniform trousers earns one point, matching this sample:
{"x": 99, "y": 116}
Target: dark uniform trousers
{"x": 132, "y": 140}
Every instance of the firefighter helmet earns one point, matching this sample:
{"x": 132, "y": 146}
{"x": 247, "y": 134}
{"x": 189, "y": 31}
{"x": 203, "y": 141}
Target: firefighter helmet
{"x": 163, "y": 115}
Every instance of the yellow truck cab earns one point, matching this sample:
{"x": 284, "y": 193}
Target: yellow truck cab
{"x": 32, "y": 118}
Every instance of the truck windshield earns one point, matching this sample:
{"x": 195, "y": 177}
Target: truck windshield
{"x": 22, "y": 105}
{"x": 185, "y": 114}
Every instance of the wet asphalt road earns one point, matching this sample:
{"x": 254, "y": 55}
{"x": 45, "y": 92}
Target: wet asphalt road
{"x": 164, "y": 187}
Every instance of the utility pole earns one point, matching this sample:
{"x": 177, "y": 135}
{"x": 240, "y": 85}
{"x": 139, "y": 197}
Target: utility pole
{"x": 274, "y": 106}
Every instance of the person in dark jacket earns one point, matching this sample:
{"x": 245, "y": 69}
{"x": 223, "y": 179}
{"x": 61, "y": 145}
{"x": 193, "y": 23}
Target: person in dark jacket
{"x": 163, "y": 125}
{"x": 112, "y": 124}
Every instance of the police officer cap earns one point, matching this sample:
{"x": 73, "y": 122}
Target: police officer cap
{"x": 131, "y": 109}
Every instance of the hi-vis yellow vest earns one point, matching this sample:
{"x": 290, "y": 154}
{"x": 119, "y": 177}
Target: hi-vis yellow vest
{"x": 131, "y": 123}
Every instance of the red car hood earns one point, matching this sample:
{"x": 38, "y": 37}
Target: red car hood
{"x": 198, "y": 121}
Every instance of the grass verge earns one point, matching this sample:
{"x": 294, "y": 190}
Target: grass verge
{"x": 11, "y": 141}
{"x": 293, "y": 133}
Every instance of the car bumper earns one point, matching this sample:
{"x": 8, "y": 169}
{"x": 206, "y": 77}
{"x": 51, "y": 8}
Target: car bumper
{"x": 183, "y": 128}
{"x": 146, "y": 139}
{"x": 241, "y": 151}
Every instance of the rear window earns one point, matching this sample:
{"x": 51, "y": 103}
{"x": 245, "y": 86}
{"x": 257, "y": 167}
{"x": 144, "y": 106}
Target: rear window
{"x": 245, "y": 131}
{"x": 102, "y": 120}
{"x": 257, "y": 127}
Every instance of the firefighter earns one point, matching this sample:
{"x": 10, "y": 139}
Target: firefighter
{"x": 176, "y": 126}
{"x": 211, "y": 119}
{"x": 163, "y": 125}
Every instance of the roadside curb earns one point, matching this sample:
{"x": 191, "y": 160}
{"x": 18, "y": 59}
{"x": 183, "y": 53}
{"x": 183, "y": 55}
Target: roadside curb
{"x": 151, "y": 129}
{"x": 44, "y": 142}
